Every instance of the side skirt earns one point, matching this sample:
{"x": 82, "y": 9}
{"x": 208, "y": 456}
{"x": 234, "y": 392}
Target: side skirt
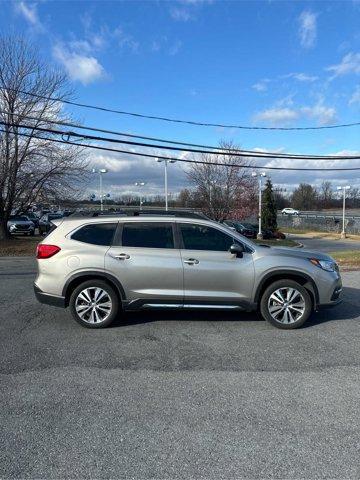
{"x": 155, "y": 304}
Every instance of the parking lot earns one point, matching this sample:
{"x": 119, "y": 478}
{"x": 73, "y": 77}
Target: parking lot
{"x": 176, "y": 394}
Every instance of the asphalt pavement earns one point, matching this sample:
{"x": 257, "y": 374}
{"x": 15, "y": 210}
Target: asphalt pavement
{"x": 325, "y": 244}
{"x": 176, "y": 395}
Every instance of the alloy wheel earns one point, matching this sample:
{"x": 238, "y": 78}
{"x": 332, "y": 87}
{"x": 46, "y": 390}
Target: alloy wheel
{"x": 93, "y": 305}
{"x": 286, "y": 305}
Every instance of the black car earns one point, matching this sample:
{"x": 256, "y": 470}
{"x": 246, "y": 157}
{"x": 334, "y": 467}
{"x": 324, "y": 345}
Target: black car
{"x": 45, "y": 222}
{"x": 245, "y": 229}
{"x": 34, "y": 218}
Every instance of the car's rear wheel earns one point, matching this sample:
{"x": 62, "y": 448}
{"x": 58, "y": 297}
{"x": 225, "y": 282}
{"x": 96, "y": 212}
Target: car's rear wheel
{"x": 94, "y": 304}
{"x": 286, "y": 304}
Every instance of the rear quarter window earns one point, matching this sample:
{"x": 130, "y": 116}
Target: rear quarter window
{"x": 96, "y": 234}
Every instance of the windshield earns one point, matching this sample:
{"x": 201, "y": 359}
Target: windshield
{"x": 248, "y": 225}
{"x": 19, "y": 218}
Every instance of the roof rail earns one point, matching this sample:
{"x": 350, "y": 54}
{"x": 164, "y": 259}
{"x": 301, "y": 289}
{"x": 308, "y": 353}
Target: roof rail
{"x": 138, "y": 213}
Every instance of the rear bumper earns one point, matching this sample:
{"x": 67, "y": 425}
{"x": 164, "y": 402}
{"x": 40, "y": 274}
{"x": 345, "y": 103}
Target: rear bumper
{"x": 48, "y": 299}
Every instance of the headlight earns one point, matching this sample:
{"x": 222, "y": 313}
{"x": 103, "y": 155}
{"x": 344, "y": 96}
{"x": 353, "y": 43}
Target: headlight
{"x": 12, "y": 227}
{"x": 327, "y": 265}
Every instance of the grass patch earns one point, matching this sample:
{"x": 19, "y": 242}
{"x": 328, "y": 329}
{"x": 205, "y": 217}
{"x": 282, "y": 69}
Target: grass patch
{"x": 19, "y": 246}
{"x": 347, "y": 258}
{"x": 279, "y": 243}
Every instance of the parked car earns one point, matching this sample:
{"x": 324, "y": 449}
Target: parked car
{"x": 101, "y": 266}
{"x": 20, "y": 224}
{"x": 245, "y": 229}
{"x": 290, "y": 211}
{"x": 45, "y": 222}
{"x": 34, "y": 218}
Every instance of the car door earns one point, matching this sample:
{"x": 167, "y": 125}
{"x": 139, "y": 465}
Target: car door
{"x": 211, "y": 273}
{"x": 144, "y": 259}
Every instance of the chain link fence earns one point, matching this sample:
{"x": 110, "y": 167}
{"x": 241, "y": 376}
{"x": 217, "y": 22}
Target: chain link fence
{"x": 319, "y": 223}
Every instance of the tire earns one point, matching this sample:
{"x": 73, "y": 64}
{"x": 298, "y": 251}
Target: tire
{"x": 281, "y": 317}
{"x": 85, "y": 294}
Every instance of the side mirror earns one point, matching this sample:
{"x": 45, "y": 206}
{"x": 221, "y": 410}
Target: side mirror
{"x": 237, "y": 249}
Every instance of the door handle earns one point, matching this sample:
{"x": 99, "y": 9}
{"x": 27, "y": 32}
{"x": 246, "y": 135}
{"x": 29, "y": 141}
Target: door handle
{"x": 191, "y": 261}
{"x": 122, "y": 256}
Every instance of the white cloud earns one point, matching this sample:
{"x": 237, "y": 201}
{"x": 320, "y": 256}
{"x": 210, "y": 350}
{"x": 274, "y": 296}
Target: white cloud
{"x": 29, "y": 12}
{"x": 355, "y": 97}
{"x": 284, "y": 113}
{"x": 350, "y": 63}
{"x": 324, "y": 115}
{"x": 260, "y": 86}
{"x": 181, "y": 14}
{"x": 80, "y": 67}
{"x": 307, "y": 28}
{"x": 175, "y": 48}
{"x": 277, "y": 115}
{"x": 302, "y": 77}
{"x": 125, "y": 40}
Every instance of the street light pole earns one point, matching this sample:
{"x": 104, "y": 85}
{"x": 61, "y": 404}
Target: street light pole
{"x": 260, "y": 175}
{"x": 101, "y": 171}
{"x": 140, "y": 184}
{"x": 166, "y": 178}
{"x": 347, "y": 187}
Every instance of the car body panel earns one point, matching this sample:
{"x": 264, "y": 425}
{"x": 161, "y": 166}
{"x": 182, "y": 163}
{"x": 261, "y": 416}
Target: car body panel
{"x": 137, "y": 273}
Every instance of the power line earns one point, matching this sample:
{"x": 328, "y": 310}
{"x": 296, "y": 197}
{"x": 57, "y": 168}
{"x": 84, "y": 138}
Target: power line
{"x": 257, "y": 155}
{"x": 174, "y": 120}
{"x": 181, "y": 160}
{"x": 219, "y": 150}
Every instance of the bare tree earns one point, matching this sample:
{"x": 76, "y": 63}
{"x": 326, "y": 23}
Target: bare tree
{"x": 326, "y": 194}
{"x": 32, "y": 166}
{"x": 220, "y": 182}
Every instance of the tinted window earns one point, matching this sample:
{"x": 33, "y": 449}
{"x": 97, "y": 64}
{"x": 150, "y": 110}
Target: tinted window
{"x": 19, "y": 218}
{"x": 96, "y": 234}
{"x": 201, "y": 237}
{"x": 147, "y": 235}
{"x": 54, "y": 216}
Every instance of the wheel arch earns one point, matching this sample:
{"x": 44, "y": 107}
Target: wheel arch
{"x": 300, "y": 277}
{"x": 81, "y": 277}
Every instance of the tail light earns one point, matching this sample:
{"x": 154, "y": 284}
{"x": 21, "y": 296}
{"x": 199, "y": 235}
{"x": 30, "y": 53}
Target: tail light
{"x": 46, "y": 251}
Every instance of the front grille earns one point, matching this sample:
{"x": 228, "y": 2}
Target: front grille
{"x": 22, "y": 227}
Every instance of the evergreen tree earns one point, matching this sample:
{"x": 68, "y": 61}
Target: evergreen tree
{"x": 269, "y": 211}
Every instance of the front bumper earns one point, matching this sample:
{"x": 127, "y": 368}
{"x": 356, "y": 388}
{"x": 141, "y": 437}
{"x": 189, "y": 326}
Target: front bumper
{"x": 48, "y": 299}
{"x": 323, "y": 306}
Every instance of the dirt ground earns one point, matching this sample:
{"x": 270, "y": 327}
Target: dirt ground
{"x": 19, "y": 246}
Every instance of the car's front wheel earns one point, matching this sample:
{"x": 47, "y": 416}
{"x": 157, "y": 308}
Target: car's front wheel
{"x": 286, "y": 304}
{"x": 94, "y": 304}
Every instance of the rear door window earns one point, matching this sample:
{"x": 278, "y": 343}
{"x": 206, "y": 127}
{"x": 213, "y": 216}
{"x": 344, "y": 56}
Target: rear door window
{"x": 96, "y": 234}
{"x": 148, "y": 235}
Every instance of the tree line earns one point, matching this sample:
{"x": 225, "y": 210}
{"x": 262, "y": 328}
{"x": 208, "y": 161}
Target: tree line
{"x": 310, "y": 197}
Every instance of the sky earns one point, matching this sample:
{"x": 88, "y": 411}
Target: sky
{"x": 256, "y": 63}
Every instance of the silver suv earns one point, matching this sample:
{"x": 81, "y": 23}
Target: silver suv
{"x": 101, "y": 266}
